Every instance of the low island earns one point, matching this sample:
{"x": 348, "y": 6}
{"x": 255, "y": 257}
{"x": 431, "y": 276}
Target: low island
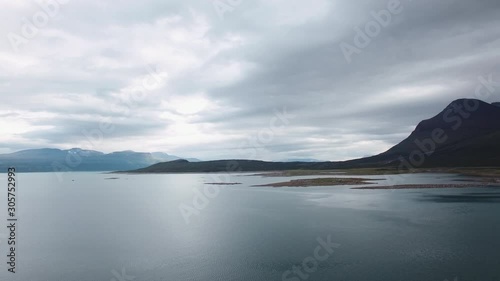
{"x": 321, "y": 182}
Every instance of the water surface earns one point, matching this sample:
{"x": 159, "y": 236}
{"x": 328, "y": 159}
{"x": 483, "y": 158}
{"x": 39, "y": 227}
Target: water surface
{"x": 89, "y": 227}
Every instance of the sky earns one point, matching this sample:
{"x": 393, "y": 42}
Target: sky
{"x": 239, "y": 79}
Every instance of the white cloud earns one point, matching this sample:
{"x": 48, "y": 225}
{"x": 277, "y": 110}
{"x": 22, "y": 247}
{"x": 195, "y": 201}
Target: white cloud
{"x": 223, "y": 79}
{"x": 297, "y": 12}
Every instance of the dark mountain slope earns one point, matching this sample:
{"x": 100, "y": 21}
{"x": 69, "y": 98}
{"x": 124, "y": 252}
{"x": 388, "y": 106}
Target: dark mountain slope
{"x": 465, "y": 133}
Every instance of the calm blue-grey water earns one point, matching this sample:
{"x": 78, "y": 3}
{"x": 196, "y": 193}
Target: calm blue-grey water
{"x": 91, "y": 228}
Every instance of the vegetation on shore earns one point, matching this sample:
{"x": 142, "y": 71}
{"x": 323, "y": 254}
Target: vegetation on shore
{"x": 321, "y": 182}
{"x": 480, "y": 177}
{"x": 426, "y": 186}
{"x": 493, "y": 173}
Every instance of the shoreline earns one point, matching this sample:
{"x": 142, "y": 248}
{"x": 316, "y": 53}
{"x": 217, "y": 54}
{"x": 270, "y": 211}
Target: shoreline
{"x": 427, "y": 186}
{"x": 320, "y": 182}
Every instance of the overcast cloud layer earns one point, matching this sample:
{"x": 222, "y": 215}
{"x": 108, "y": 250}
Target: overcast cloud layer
{"x": 185, "y": 78}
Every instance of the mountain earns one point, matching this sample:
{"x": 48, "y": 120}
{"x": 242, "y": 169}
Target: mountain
{"x": 465, "y": 134}
{"x": 301, "y": 160}
{"x": 164, "y": 157}
{"x": 76, "y": 159}
{"x": 184, "y": 166}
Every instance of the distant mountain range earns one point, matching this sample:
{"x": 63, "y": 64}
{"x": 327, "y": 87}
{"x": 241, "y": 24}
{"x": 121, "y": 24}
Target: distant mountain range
{"x": 76, "y": 159}
{"x": 465, "y": 134}
{"x": 301, "y": 160}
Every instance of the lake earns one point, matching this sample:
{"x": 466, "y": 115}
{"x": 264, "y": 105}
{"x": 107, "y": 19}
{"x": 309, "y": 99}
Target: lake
{"x": 90, "y": 227}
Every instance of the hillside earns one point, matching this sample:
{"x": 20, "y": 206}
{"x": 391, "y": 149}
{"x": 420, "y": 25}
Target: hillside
{"x": 465, "y": 134}
{"x": 184, "y": 166}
